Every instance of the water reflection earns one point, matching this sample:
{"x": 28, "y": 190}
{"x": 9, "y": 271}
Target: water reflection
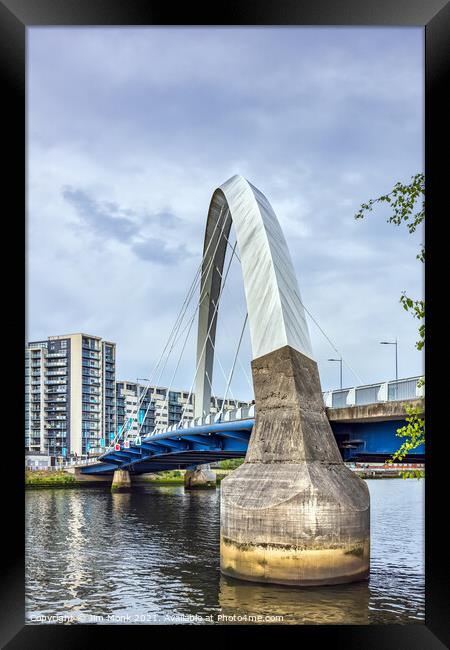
{"x": 153, "y": 553}
{"x": 76, "y": 573}
{"x": 347, "y": 604}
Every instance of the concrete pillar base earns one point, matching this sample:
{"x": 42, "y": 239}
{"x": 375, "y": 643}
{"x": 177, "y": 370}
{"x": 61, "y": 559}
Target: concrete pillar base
{"x": 201, "y": 477}
{"x": 121, "y": 481}
{"x": 303, "y": 524}
{"x": 293, "y": 513}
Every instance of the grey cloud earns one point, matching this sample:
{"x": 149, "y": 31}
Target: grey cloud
{"x": 165, "y": 219}
{"x": 101, "y": 217}
{"x": 155, "y": 250}
{"x": 104, "y": 219}
{"x": 320, "y": 119}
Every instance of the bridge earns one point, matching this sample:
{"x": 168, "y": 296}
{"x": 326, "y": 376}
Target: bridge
{"x": 292, "y": 513}
{"x": 364, "y": 431}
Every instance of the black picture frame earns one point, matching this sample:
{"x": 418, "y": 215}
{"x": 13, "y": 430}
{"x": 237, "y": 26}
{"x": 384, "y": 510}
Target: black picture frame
{"x": 15, "y": 17}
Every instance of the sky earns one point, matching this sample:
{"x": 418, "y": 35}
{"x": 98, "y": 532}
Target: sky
{"x": 129, "y": 132}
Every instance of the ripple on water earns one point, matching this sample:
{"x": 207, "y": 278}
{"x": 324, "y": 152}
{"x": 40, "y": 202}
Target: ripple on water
{"x": 155, "y": 552}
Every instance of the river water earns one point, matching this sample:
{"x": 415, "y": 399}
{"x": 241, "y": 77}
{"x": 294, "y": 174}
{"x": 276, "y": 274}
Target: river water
{"x": 152, "y": 556}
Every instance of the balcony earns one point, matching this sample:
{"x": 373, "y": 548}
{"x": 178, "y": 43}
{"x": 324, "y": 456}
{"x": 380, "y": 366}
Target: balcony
{"x": 90, "y": 391}
{"x": 57, "y": 354}
{"x": 91, "y": 364}
{"x": 55, "y": 398}
{"x": 92, "y": 348}
{"x": 57, "y": 364}
{"x": 90, "y": 355}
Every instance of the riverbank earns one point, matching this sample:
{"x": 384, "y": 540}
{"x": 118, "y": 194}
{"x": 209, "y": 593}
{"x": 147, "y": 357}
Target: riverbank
{"x": 38, "y": 479}
{"x": 61, "y": 479}
{"x": 174, "y": 477}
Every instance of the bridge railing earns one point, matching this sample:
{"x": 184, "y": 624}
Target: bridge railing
{"x": 74, "y": 462}
{"x": 401, "y": 389}
{"x": 241, "y": 413}
{"x": 389, "y": 391}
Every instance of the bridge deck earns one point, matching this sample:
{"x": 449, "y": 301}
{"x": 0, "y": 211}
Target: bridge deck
{"x": 179, "y": 449}
{"x": 360, "y": 431}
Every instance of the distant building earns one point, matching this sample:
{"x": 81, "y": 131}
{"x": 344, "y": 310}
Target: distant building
{"x": 37, "y": 461}
{"x": 160, "y": 406}
{"x": 70, "y": 397}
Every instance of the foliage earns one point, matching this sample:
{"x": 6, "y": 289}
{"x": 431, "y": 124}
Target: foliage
{"x": 231, "y": 463}
{"x": 42, "y": 477}
{"x": 168, "y": 476}
{"x": 417, "y": 307}
{"x": 407, "y": 206}
{"x": 414, "y": 432}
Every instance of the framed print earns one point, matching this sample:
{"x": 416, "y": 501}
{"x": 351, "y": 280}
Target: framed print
{"x": 258, "y": 467}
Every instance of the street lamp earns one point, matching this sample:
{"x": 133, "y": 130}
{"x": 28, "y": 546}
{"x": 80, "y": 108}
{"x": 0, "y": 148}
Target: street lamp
{"x": 396, "y": 356}
{"x": 340, "y": 373}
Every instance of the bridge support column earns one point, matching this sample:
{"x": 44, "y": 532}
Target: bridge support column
{"x": 121, "y": 481}
{"x": 293, "y": 513}
{"x": 200, "y": 477}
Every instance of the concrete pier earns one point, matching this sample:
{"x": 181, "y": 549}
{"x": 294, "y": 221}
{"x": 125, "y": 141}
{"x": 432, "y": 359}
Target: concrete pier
{"x": 200, "y": 477}
{"x": 121, "y": 481}
{"x": 293, "y": 513}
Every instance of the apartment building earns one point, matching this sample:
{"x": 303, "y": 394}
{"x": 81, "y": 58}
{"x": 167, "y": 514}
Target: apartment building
{"x": 160, "y": 406}
{"x": 35, "y": 365}
{"x": 70, "y": 396}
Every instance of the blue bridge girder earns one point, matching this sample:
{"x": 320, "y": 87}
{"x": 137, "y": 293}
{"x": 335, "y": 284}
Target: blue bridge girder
{"x": 179, "y": 449}
{"x": 186, "y": 448}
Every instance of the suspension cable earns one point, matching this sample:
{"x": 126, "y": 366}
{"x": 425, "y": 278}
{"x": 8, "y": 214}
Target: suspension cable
{"x": 234, "y": 364}
{"x": 320, "y": 329}
{"x": 216, "y": 356}
{"x": 198, "y": 276}
{"x": 175, "y": 336}
{"x": 204, "y": 272}
{"x": 331, "y": 343}
{"x": 250, "y": 383}
{"x": 207, "y": 335}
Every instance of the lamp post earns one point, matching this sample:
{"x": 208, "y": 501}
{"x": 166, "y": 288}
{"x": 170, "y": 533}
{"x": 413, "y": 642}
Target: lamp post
{"x": 340, "y": 373}
{"x": 396, "y": 354}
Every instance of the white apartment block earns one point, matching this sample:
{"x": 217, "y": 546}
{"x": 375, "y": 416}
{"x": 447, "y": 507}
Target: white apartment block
{"x": 161, "y": 407}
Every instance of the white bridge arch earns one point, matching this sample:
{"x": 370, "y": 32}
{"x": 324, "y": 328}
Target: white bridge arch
{"x": 275, "y": 312}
